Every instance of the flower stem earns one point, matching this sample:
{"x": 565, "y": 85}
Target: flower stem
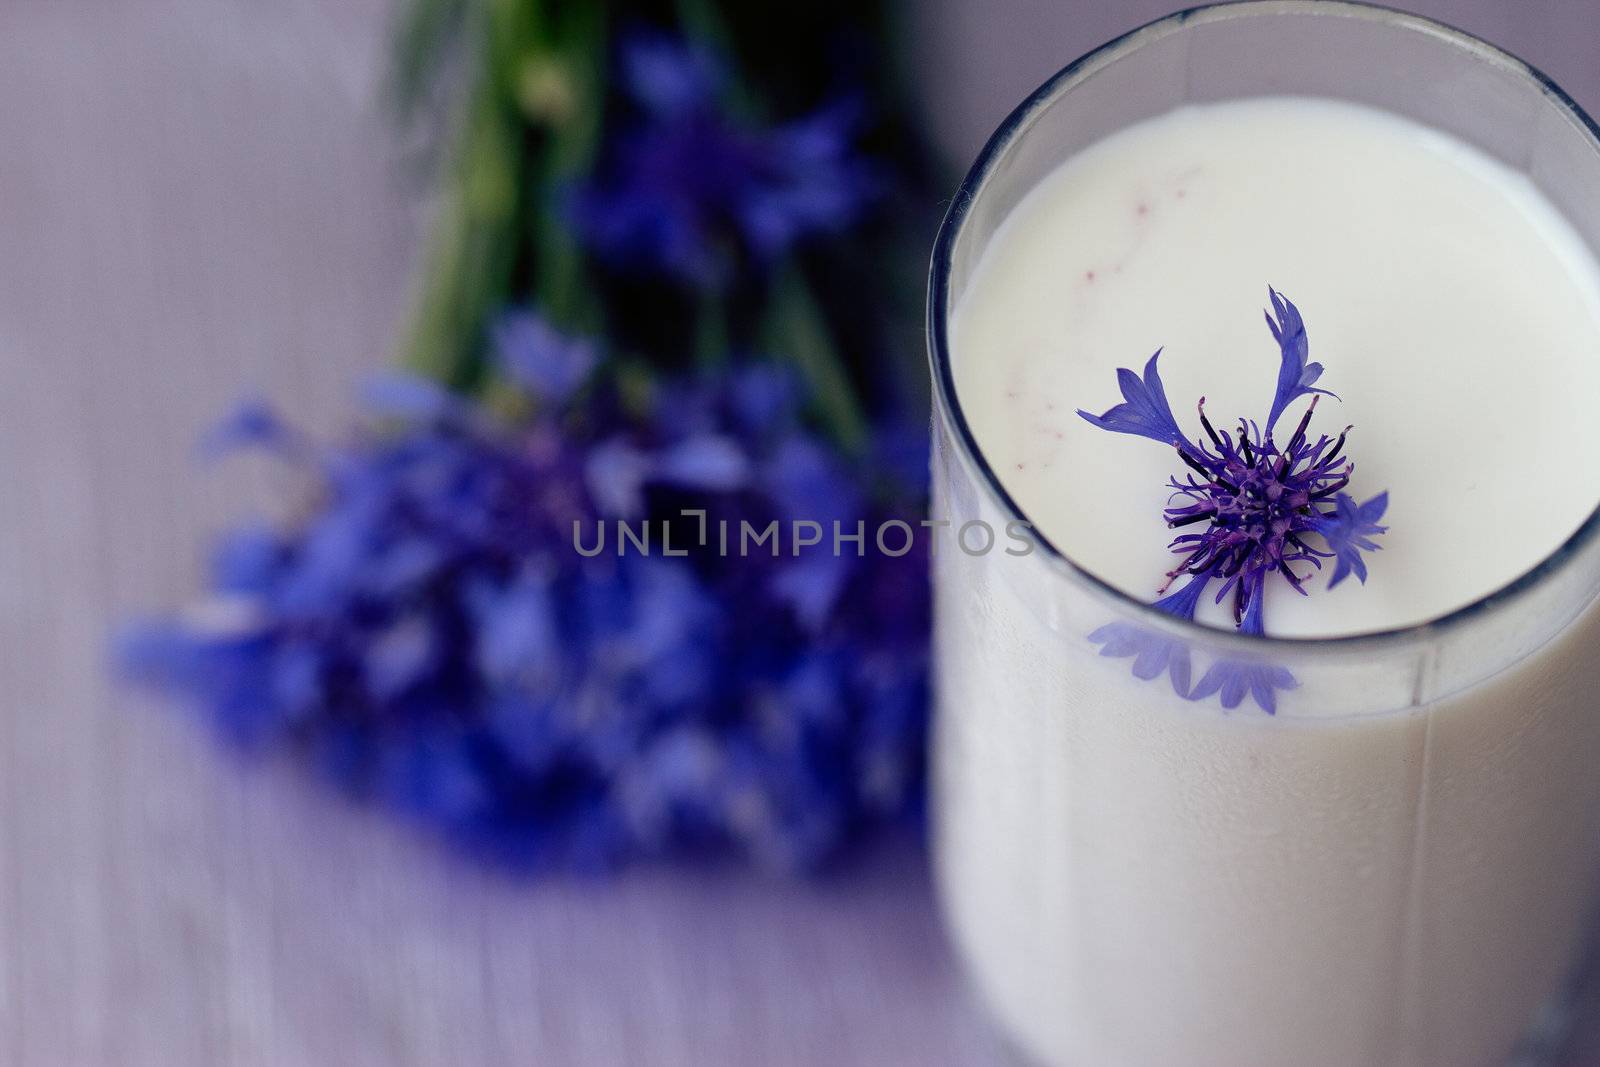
{"x": 795, "y": 328}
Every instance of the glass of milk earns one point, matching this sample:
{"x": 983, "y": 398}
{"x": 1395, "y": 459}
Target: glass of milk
{"x": 1398, "y": 866}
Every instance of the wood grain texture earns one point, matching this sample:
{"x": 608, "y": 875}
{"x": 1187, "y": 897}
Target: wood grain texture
{"x": 199, "y": 198}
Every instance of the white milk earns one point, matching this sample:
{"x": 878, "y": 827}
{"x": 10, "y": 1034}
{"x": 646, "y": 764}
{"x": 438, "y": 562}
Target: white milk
{"x": 1140, "y": 880}
{"x": 1456, "y": 312}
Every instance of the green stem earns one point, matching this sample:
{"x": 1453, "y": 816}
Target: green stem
{"x": 474, "y": 251}
{"x": 796, "y": 328}
{"x": 468, "y": 270}
{"x": 571, "y": 142}
{"x": 710, "y": 330}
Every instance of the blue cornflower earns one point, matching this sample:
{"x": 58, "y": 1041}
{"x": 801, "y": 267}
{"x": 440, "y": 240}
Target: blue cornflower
{"x": 1256, "y": 507}
{"x": 690, "y": 193}
{"x": 428, "y": 636}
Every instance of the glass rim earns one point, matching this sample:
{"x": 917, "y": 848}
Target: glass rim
{"x": 948, "y": 407}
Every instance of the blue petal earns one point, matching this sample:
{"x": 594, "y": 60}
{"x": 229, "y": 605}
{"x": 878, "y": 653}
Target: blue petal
{"x": 1295, "y": 376}
{"x": 1153, "y": 652}
{"x": 710, "y": 462}
{"x": 812, "y": 584}
{"x": 398, "y": 658}
{"x": 1119, "y": 639}
{"x": 615, "y": 475}
{"x": 1144, "y": 411}
{"x": 1236, "y": 679}
{"x": 516, "y": 634}
{"x": 668, "y": 77}
{"x": 297, "y": 678}
{"x": 808, "y": 482}
{"x": 541, "y": 359}
{"x": 1349, "y": 530}
{"x": 434, "y": 774}
{"x": 764, "y": 397}
{"x": 809, "y": 181}
{"x": 247, "y": 559}
{"x": 1152, "y": 659}
{"x": 253, "y": 423}
{"x": 335, "y": 546}
{"x": 1182, "y": 603}
{"x": 397, "y": 394}
{"x": 525, "y": 728}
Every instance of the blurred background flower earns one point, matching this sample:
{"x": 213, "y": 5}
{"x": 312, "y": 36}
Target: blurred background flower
{"x": 688, "y": 193}
{"x": 620, "y": 322}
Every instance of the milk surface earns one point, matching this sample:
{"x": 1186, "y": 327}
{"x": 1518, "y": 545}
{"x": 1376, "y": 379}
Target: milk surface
{"x": 1136, "y": 880}
{"x": 1456, "y": 312}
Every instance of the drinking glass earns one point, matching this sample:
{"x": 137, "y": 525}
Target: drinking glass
{"x": 1397, "y": 867}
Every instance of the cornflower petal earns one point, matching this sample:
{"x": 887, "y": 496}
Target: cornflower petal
{"x": 1296, "y": 377}
{"x": 1144, "y": 411}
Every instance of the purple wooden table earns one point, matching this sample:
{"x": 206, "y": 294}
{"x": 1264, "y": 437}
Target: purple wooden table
{"x": 200, "y": 196}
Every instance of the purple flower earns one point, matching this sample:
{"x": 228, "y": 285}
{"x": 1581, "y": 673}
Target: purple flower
{"x": 429, "y": 637}
{"x": 1251, "y": 506}
{"x": 1253, "y": 503}
{"x": 1349, "y": 530}
{"x": 690, "y": 193}
{"x": 810, "y": 183}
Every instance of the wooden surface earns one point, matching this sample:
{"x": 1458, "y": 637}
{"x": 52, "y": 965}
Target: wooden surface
{"x": 199, "y": 197}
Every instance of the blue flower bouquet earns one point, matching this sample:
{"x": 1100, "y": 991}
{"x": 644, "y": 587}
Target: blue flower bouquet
{"x": 653, "y": 314}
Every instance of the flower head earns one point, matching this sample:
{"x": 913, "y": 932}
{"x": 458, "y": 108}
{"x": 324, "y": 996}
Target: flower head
{"x": 429, "y": 637}
{"x": 689, "y": 192}
{"x": 1251, "y": 505}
